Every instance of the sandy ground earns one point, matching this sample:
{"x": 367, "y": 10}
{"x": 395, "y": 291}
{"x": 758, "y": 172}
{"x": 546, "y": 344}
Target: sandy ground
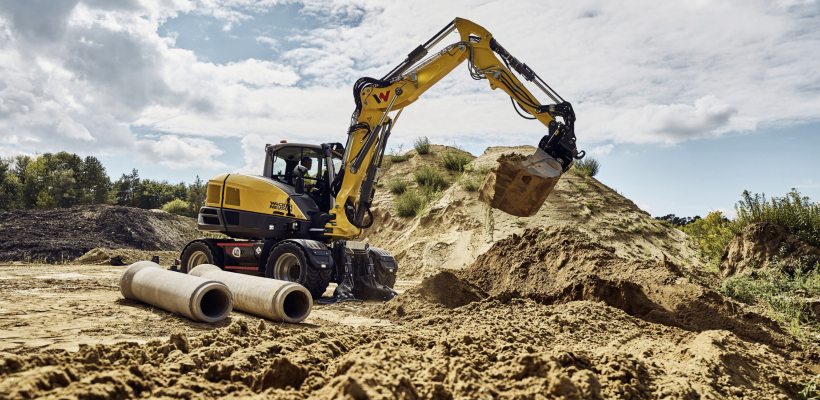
{"x": 45, "y": 307}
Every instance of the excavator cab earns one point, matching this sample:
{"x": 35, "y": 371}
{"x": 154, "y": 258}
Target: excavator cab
{"x": 283, "y": 159}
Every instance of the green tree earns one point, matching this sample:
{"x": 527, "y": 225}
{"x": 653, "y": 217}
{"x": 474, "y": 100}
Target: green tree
{"x": 11, "y": 193}
{"x": 93, "y": 182}
{"x": 125, "y": 188}
{"x": 196, "y": 195}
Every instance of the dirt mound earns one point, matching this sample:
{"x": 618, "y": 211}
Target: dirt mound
{"x": 107, "y": 256}
{"x": 756, "y": 245}
{"x": 63, "y": 234}
{"x": 457, "y": 228}
{"x": 433, "y": 298}
{"x": 487, "y": 349}
{"x": 559, "y": 265}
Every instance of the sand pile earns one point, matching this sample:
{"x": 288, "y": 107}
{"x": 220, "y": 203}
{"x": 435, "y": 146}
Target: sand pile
{"x": 485, "y": 349}
{"x": 64, "y": 234}
{"x": 126, "y": 256}
{"x": 431, "y": 301}
{"x": 757, "y": 244}
{"x": 559, "y": 265}
{"x": 453, "y": 341}
{"x": 458, "y": 228}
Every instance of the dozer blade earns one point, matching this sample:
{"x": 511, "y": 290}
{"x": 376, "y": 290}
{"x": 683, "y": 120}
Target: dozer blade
{"x": 520, "y": 184}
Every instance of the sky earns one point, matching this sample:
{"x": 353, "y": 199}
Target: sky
{"x": 685, "y": 103}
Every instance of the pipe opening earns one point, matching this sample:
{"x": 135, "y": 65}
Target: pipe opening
{"x": 215, "y": 303}
{"x": 296, "y": 305}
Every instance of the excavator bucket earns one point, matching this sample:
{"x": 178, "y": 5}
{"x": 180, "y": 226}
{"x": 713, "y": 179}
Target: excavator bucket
{"x": 520, "y": 184}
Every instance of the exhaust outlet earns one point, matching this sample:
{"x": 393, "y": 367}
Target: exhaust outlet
{"x": 197, "y": 298}
{"x": 267, "y": 298}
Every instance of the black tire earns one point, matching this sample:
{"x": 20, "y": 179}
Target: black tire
{"x": 197, "y": 253}
{"x": 287, "y": 262}
{"x": 382, "y": 275}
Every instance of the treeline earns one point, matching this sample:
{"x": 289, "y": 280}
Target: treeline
{"x": 676, "y": 221}
{"x": 65, "y": 180}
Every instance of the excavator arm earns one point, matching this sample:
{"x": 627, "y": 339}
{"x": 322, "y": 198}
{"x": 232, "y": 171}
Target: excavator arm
{"x": 370, "y": 127}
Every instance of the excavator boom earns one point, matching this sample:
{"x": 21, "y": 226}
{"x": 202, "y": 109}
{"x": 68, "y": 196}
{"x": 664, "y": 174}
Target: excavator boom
{"x": 517, "y": 186}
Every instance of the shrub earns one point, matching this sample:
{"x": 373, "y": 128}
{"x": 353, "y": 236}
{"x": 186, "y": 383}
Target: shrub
{"x": 410, "y": 203}
{"x": 795, "y": 213}
{"x": 422, "y": 145}
{"x": 428, "y": 175}
{"x": 397, "y": 185}
{"x": 178, "y": 207}
{"x": 398, "y": 155}
{"x": 586, "y": 167}
{"x": 471, "y": 184}
{"x": 775, "y": 289}
{"x": 454, "y": 159}
{"x": 712, "y": 233}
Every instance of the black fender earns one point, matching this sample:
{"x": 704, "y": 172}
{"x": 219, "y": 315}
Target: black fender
{"x": 386, "y": 261}
{"x": 318, "y": 254}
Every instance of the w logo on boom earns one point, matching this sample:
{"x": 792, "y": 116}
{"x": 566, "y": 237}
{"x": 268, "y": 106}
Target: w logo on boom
{"x": 382, "y": 97}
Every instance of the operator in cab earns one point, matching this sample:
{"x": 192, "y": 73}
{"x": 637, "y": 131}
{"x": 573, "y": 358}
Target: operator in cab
{"x": 299, "y": 172}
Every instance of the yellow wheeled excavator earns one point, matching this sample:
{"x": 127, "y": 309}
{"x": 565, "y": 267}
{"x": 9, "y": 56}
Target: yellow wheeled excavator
{"x": 298, "y": 219}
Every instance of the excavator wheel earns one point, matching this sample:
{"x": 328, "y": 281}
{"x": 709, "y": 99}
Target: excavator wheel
{"x": 382, "y": 276}
{"x": 287, "y": 262}
{"x": 197, "y": 253}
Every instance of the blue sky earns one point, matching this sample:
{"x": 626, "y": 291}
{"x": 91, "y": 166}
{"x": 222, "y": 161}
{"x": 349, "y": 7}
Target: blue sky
{"x": 685, "y": 103}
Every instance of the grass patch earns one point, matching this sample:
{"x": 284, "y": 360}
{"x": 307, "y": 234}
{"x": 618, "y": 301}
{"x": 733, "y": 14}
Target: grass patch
{"x": 399, "y": 155}
{"x": 470, "y": 183}
{"x": 666, "y": 223}
{"x": 410, "y": 203}
{"x": 422, "y": 145}
{"x": 397, "y": 185}
{"x": 428, "y": 175}
{"x": 521, "y": 221}
{"x": 776, "y": 288}
{"x": 586, "y": 167}
{"x": 489, "y": 223}
{"x": 454, "y": 159}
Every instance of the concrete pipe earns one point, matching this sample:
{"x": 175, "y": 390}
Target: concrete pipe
{"x": 197, "y": 298}
{"x": 268, "y": 298}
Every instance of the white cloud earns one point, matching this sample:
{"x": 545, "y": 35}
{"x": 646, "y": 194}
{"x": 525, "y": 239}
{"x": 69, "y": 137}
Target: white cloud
{"x": 269, "y": 41}
{"x": 678, "y": 122}
{"x": 174, "y": 152}
{"x": 603, "y": 149}
{"x": 253, "y": 150}
{"x": 76, "y": 76}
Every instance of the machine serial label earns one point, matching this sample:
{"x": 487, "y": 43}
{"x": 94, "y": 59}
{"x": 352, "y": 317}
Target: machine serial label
{"x": 278, "y": 206}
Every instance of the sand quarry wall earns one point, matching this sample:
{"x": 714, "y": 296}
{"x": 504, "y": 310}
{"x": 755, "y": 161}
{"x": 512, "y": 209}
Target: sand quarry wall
{"x": 458, "y": 228}
{"x": 64, "y": 234}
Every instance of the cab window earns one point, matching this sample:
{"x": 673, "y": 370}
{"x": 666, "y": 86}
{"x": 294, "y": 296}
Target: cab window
{"x": 286, "y": 159}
